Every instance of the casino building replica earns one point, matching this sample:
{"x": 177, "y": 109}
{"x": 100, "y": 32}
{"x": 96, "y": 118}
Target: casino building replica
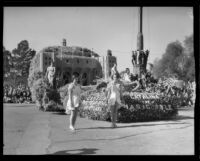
{"x": 69, "y": 59}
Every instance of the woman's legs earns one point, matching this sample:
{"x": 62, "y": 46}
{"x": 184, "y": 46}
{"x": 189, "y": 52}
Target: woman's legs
{"x": 72, "y": 115}
{"x": 114, "y": 114}
{"x": 73, "y": 118}
{"x": 112, "y": 107}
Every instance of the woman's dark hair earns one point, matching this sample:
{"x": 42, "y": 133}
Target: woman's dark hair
{"x": 75, "y": 75}
{"x": 127, "y": 69}
{"x": 117, "y": 75}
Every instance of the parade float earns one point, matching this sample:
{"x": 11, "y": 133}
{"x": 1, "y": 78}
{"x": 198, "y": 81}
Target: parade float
{"x": 139, "y": 105}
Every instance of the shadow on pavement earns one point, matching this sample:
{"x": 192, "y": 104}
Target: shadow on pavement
{"x": 83, "y": 151}
{"x": 122, "y": 137}
{"x": 59, "y": 113}
{"x": 182, "y": 117}
{"x": 133, "y": 126}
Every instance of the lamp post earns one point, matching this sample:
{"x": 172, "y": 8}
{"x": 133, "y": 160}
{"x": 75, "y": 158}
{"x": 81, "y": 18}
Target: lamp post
{"x": 61, "y": 63}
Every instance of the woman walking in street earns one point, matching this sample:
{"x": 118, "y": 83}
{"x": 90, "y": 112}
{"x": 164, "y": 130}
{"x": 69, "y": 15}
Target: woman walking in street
{"x": 114, "y": 97}
{"x": 74, "y": 99}
{"x": 114, "y": 94}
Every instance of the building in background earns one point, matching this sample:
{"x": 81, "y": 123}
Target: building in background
{"x": 70, "y": 59}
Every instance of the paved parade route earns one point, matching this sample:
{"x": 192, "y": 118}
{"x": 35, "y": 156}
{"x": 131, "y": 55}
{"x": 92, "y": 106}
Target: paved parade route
{"x": 30, "y": 131}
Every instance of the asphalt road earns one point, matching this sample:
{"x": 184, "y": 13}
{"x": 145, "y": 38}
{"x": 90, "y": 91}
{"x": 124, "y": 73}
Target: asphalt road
{"x": 30, "y": 131}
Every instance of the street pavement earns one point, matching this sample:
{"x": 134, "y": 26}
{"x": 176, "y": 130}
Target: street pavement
{"x": 28, "y": 131}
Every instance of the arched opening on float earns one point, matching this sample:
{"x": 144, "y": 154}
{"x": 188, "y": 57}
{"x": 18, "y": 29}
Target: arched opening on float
{"x": 84, "y": 79}
{"x": 66, "y": 78}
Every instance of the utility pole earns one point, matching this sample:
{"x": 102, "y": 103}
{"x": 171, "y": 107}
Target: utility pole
{"x": 61, "y": 63}
{"x": 140, "y": 56}
{"x": 64, "y": 43}
{"x": 140, "y": 34}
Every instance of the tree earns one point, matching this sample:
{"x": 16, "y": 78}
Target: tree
{"x": 189, "y": 65}
{"x": 16, "y": 63}
{"x": 177, "y": 60}
{"x": 169, "y": 64}
{"x": 21, "y": 59}
{"x": 188, "y": 44}
{"x": 6, "y": 61}
{"x": 156, "y": 69}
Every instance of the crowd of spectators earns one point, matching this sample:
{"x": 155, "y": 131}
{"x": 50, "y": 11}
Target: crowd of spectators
{"x": 19, "y": 94}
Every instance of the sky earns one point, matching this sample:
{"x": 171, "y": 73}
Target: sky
{"x": 97, "y": 28}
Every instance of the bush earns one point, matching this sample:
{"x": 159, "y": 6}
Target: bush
{"x": 53, "y": 95}
{"x": 36, "y": 80}
{"x": 39, "y": 85}
{"x": 33, "y": 77}
{"x": 63, "y": 92}
{"x": 38, "y": 89}
{"x": 53, "y": 106}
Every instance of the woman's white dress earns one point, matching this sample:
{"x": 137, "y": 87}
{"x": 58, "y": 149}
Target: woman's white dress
{"x": 76, "y": 91}
{"x": 115, "y": 94}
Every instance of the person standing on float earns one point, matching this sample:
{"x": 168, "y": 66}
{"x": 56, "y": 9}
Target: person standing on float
{"x": 127, "y": 75}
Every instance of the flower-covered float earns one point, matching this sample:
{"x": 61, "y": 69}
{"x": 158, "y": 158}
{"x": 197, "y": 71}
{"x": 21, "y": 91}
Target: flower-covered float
{"x": 138, "y": 106}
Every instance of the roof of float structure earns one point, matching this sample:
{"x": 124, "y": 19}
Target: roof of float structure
{"x": 70, "y": 50}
